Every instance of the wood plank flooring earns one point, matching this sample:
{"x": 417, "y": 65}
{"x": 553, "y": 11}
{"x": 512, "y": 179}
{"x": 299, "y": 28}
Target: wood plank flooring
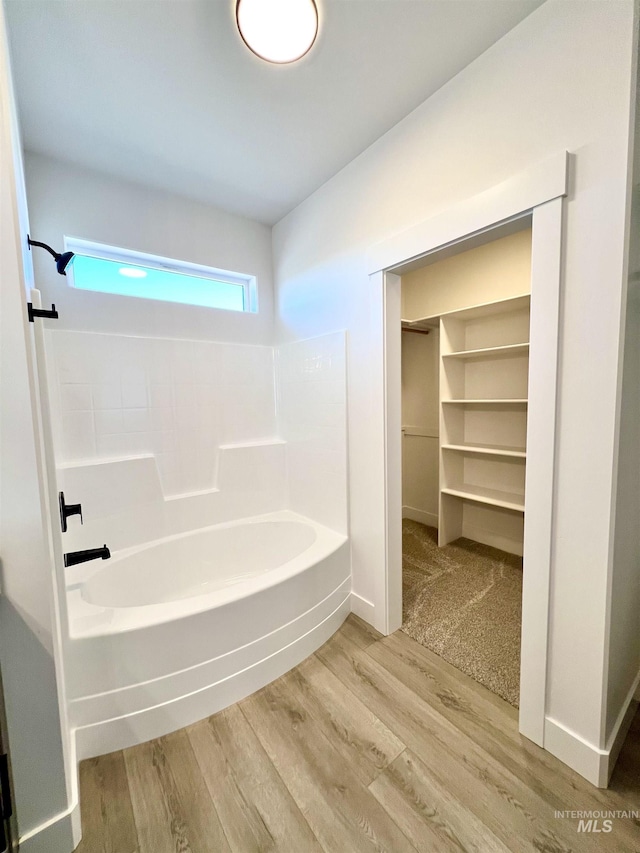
{"x": 372, "y": 744}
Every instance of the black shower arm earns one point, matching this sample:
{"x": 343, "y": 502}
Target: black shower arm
{"x": 51, "y": 251}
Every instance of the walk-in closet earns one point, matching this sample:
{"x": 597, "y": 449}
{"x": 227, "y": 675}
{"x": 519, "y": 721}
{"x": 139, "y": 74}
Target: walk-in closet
{"x": 465, "y": 365}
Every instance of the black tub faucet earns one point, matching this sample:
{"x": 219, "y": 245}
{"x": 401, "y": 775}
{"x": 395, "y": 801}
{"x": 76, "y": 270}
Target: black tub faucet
{"x": 75, "y": 557}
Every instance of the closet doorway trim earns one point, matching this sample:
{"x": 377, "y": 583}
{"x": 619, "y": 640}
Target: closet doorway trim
{"x": 538, "y": 192}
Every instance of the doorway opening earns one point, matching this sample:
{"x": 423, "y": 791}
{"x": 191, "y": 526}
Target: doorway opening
{"x": 464, "y": 371}
{"x": 531, "y": 200}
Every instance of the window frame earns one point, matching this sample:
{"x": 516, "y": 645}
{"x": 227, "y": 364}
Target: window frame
{"x": 102, "y": 251}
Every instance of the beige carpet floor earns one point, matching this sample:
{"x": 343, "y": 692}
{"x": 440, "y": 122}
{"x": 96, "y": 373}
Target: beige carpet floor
{"x": 464, "y": 602}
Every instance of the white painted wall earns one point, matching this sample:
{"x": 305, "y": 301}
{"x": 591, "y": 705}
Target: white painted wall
{"x": 27, "y": 626}
{"x": 67, "y": 200}
{"x": 496, "y": 270}
{"x": 560, "y": 80}
{"x": 623, "y": 658}
{"x": 420, "y": 415}
{"x": 420, "y": 366}
{"x": 623, "y": 654}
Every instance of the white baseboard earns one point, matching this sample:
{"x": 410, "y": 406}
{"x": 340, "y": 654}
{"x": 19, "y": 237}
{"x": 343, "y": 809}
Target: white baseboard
{"x": 428, "y": 518}
{"x": 582, "y": 756}
{"x": 57, "y": 835}
{"x": 495, "y": 540}
{"x": 363, "y": 608}
{"x": 592, "y": 762}
{"x": 621, "y": 726}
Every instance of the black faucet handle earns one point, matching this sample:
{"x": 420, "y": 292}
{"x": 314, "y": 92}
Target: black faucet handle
{"x": 68, "y": 509}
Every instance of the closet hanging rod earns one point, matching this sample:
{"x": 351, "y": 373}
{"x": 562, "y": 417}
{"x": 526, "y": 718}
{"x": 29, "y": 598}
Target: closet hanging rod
{"x": 417, "y": 331}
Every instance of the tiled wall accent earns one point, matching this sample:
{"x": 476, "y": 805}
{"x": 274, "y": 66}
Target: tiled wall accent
{"x": 115, "y": 397}
{"x": 312, "y": 401}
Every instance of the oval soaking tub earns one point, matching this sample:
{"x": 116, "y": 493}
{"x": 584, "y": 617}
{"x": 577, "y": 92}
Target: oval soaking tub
{"x": 168, "y": 633}
{"x": 197, "y": 563}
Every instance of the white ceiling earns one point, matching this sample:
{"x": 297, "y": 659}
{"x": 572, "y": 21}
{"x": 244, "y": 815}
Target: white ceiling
{"x": 164, "y": 92}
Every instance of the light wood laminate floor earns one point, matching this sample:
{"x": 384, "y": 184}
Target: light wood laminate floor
{"x": 372, "y": 744}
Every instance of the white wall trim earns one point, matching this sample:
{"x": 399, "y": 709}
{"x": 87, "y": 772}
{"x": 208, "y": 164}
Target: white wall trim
{"x": 428, "y": 518}
{"x": 546, "y": 280}
{"x": 362, "y": 608}
{"x": 587, "y": 759}
{"x": 540, "y": 183}
{"x": 388, "y": 611}
{"x": 539, "y": 191}
{"x": 592, "y": 762}
{"x": 584, "y": 757}
{"x": 61, "y": 832}
{"x": 488, "y": 537}
{"x": 621, "y": 728}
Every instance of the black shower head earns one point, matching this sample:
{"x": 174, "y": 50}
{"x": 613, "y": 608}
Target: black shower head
{"x": 62, "y": 260}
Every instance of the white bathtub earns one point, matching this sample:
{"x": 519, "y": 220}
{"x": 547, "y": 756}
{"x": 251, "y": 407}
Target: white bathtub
{"x": 198, "y": 563}
{"x": 169, "y": 633}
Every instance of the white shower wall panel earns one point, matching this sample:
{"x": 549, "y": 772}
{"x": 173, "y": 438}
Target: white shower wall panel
{"x": 115, "y": 397}
{"x": 124, "y": 505}
{"x": 312, "y": 414}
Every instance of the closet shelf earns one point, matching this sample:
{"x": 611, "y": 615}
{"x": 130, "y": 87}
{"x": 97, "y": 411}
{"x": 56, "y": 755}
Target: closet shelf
{"x": 500, "y": 401}
{"x": 508, "y": 351}
{"x": 492, "y": 497}
{"x": 488, "y": 450}
{"x": 423, "y": 325}
{"x": 484, "y": 309}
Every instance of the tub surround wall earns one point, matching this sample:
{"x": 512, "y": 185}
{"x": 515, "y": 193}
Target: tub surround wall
{"x": 124, "y": 504}
{"x": 151, "y": 435}
{"x": 116, "y": 396}
{"x": 155, "y": 437}
{"x": 312, "y": 396}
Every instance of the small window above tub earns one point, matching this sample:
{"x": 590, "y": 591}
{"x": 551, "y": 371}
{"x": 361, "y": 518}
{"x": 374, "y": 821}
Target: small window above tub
{"x": 107, "y": 269}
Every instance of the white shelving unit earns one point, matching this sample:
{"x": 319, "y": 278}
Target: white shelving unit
{"x": 496, "y": 401}
{"x": 492, "y": 497}
{"x": 488, "y": 450}
{"x": 507, "y": 351}
{"x": 484, "y": 367}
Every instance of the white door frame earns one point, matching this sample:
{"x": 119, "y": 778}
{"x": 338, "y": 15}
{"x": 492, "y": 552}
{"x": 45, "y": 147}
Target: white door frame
{"x": 538, "y": 192}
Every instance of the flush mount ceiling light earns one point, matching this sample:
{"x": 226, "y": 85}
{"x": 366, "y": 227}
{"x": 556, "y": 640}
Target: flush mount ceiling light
{"x": 279, "y": 31}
